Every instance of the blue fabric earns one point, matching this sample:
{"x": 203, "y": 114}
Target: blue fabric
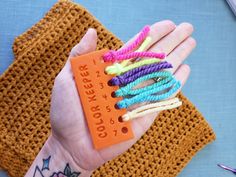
{"x": 211, "y": 86}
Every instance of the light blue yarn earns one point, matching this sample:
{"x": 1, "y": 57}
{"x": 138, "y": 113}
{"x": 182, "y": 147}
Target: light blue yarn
{"x": 157, "y": 86}
{"x": 147, "y": 96}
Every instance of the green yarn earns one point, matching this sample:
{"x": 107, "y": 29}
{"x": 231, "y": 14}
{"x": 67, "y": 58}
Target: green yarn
{"x": 118, "y": 68}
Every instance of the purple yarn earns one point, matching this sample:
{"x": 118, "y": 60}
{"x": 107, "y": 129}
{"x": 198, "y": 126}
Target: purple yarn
{"x": 141, "y": 68}
{"x": 116, "y": 80}
{"x": 135, "y": 73}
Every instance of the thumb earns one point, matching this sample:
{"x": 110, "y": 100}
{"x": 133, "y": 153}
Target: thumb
{"x": 87, "y": 44}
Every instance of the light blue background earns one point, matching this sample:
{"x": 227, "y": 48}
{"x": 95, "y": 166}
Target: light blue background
{"x": 212, "y": 85}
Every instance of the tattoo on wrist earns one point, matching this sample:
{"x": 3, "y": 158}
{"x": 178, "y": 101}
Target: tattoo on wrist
{"x": 66, "y": 172}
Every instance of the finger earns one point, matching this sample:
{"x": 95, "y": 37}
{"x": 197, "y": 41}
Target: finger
{"x": 157, "y": 31}
{"x": 182, "y": 74}
{"x": 171, "y": 41}
{"x": 180, "y": 53}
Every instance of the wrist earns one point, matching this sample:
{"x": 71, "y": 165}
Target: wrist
{"x": 54, "y": 161}
{"x": 62, "y": 155}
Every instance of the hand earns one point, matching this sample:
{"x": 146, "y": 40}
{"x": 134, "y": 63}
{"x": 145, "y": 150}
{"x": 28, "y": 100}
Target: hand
{"x": 68, "y": 122}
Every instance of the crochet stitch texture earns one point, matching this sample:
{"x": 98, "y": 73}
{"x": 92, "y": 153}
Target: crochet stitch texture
{"x": 25, "y": 91}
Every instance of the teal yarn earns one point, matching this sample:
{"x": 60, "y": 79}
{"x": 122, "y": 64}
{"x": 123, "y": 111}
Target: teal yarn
{"x": 158, "y": 86}
{"x": 150, "y": 92}
{"x": 148, "y": 96}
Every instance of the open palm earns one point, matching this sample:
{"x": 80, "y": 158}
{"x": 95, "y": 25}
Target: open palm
{"x": 67, "y": 118}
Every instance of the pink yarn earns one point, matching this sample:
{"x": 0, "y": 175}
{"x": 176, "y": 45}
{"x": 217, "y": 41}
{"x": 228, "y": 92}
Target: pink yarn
{"x": 139, "y": 55}
{"x": 143, "y": 34}
{"x": 123, "y": 54}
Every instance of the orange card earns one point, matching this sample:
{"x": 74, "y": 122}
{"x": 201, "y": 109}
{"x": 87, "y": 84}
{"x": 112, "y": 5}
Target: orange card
{"x": 104, "y": 120}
